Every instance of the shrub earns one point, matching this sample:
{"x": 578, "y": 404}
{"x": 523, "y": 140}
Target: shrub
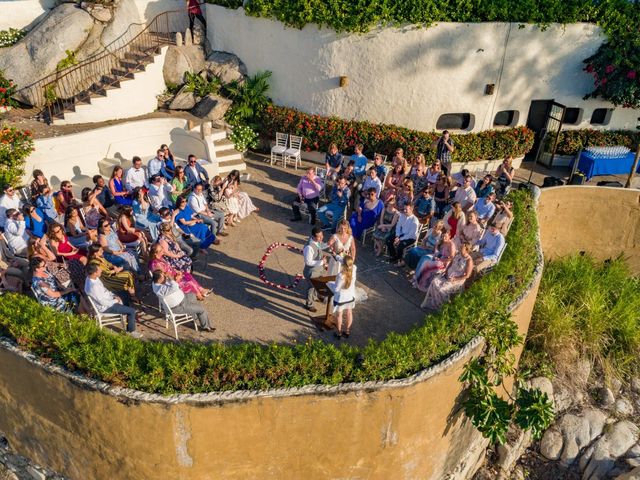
{"x": 15, "y": 147}
{"x": 167, "y": 368}
{"x": 199, "y": 85}
{"x": 7, "y": 89}
{"x": 249, "y": 99}
{"x": 11, "y": 36}
{"x": 319, "y": 132}
{"x": 243, "y": 138}
{"x": 616, "y": 73}
{"x": 69, "y": 61}
{"x": 571, "y": 141}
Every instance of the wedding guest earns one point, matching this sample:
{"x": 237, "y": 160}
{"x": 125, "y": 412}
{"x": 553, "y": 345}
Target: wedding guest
{"x": 485, "y": 208}
{"x": 169, "y": 165}
{"x": 44, "y": 201}
{"x": 344, "y": 296}
{"x": 385, "y": 227}
{"x": 444, "y": 148}
{"x": 333, "y": 162}
{"x": 431, "y": 265}
{"x": 426, "y": 247}
{"x": 186, "y": 281}
{"x": 128, "y": 234}
{"x": 50, "y": 294}
{"x": 454, "y": 219}
{"x": 116, "y": 279}
{"x": 102, "y": 194}
{"x": 179, "y": 184}
{"x": 442, "y": 287}
{"x": 232, "y": 191}
{"x": 189, "y": 244}
{"x": 9, "y": 200}
{"x": 392, "y": 182}
{"x": 77, "y": 232}
{"x": 434, "y": 172}
{"x": 489, "y": 248}
{"x": 38, "y": 249}
{"x": 504, "y": 216}
{"x": 419, "y": 175}
{"x": 15, "y": 233}
{"x": 172, "y": 253}
{"x": 136, "y": 176}
{"x": 485, "y": 187}
{"x": 360, "y": 161}
{"x": 372, "y": 181}
{"x": 331, "y": 213}
{"x": 184, "y": 218}
{"x": 406, "y": 233}
{"x": 200, "y": 207}
{"x": 146, "y": 219}
{"x": 155, "y": 164}
{"x": 38, "y": 180}
{"x": 92, "y": 209}
{"x": 117, "y": 187}
{"x": 62, "y": 248}
{"x": 381, "y": 170}
{"x": 425, "y": 206}
{"x": 505, "y": 174}
{"x": 160, "y": 193}
{"x": 470, "y": 232}
{"x": 465, "y": 194}
{"x": 195, "y": 173}
{"x": 114, "y": 250}
{"x": 308, "y": 190}
{"x": 404, "y": 194}
{"x": 441, "y": 194}
{"x": 366, "y": 214}
{"x": 64, "y": 198}
{"x": 34, "y": 221}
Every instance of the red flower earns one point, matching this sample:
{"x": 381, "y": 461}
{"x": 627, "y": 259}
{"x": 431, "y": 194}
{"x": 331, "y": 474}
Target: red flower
{"x": 609, "y": 68}
{"x": 631, "y": 74}
{"x": 603, "y": 81}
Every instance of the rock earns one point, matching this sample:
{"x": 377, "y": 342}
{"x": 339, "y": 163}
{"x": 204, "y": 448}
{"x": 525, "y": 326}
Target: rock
{"x": 632, "y": 475}
{"x": 93, "y": 43}
{"x": 544, "y": 385}
{"x": 36, "y": 474}
{"x": 37, "y": 55}
{"x": 508, "y": 454}
{"x": 600, "y": 459}
{"x": 183, "y": 100}
{"x": 632, "y": 457}
{"x": 125, "y": 15}
{"x": 565, "y": 397}
{"x": 582, "y": 371}
{"x": 188, "y": 38}
{"x": 551, "y": 443}
{"x": 226, "y": 66}
{"x": 606, "y": 398}
{"x": 180, "y": 60}
{"x": 623, "y": 407}
{"x": 98, "y": 12}
{"x": 635, "y": 384}
{"x": 211, "y": 107}
{"x": 178, "y": 39}
{"x": 578, "y": 432}
{"x": 616, "y": 386}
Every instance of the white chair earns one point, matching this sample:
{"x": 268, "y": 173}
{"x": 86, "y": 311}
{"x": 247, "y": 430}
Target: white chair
{"x": 107, "y": 318}
{"x": 367, "y": 231}
{"x": 422, "y": 231}
{"x": 277, "y": 151}
{"x": 294, "y": 151}
{"x": 322, "y": 173}
{"x": 176, "y": 318}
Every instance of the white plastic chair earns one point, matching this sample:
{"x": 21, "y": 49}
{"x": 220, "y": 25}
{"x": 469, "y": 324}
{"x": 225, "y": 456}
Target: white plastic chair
{"x": 322, "y": 173}
{"x": 294, "y": 151}
{"x": 107, "y": 318}
{"x": 367, "y": 231}
{"x": 277, "y": 151}
{"x": 176, "y": 318}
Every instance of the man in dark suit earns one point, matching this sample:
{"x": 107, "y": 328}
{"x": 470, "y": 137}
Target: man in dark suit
{"x": 195, "y": 173}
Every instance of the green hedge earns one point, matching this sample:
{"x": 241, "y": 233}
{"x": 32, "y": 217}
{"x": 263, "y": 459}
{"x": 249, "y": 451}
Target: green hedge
{"x": 319, "y": 132}
{"x": 167, "y": 368}
{"x": 571, "y": 141}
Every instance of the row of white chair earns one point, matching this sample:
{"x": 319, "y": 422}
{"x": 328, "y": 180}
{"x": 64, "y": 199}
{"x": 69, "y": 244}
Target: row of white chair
{"x": 280, "y": 151}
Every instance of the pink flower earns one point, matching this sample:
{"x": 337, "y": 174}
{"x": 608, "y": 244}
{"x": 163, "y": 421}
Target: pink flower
{"x": 603, "y": 81}
{"x": 631, "y": 74}
{"x": 609, "y": 68}
{"x": 589, "y": 68}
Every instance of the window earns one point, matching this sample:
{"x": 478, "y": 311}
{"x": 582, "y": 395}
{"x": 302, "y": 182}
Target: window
{"x": 506, "y": 118}
{"x": 572, "y": 116}
{"x": 601, "y": 116}
{"x": 455, "y": 121}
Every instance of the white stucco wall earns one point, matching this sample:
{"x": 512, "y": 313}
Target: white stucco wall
{"x": 150, "y": 8}
{"x": 23, "y": 13}
{"x": 410, "y": 76}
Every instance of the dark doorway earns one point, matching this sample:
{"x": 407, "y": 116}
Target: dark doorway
{"x": 545, "y": 119}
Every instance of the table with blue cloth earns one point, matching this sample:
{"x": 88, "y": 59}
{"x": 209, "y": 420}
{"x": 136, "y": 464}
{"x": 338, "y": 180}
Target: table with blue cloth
{"x": 593, "y": 165}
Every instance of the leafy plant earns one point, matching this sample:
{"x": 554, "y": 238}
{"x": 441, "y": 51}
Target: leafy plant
{"x": 249, "y": 100}
{"x": 69, "y": 61}
{"x": 571, "y": 141}
{"x": 172, "y": 88}
{"x": 15, "y": 147}
{"x": 615, "y": 68}
{"x": 7, "y": 89}
{"x": 243, "y": 138}
{"x": 50, "y": 95}
{"x": 200, "y": 85}
{"x": 11, "y": 36}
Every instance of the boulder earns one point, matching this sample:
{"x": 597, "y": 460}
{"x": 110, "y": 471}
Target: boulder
{"x": 599, "y": 460}
{"x": 635, "y": 384}
{"x": 93, "y": 43}
{"x": 180, "y": 60}
{"x": 551, "y": 443}
{"x": 631, "y": 475}
{"x": 125, "y": 15}
{"x": 97, "y": 11}
{"x": 623, "y": 407}
{"x": 632, "y": 457}
{"x": 226, "y": 66}
{"x": 544, "y": 385}
{"x": 606, "y": 398}
{"x": 37, "y": 55}
{"x": 183, "y": 100}
{"x": 508, "y": 453}
{"x": 582, "y": 371}
{"x": 578, "y": 432}
{"x": 565, "y": 397}
{"x": 212, "y": 107}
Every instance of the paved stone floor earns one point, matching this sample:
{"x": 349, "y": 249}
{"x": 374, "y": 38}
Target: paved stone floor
{"x": 245, "y": 309}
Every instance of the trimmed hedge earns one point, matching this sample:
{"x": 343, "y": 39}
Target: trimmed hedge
{"x": 166, "y": 368}
{"x": 319, "y": 132}
{"x": 571, "y": 141}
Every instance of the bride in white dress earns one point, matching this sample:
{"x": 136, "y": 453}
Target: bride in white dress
{"x": 341, "y": 244}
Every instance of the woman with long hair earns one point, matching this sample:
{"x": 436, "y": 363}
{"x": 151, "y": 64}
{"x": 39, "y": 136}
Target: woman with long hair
{"x": 76, "y": 230}
{"x": 38, "y": 180}
{"x": 344, "y": 296}
{"x": 186, "y": 281}
{"x": 341, "y": 244}
{"x": 455, "y": 219}
{"x": 444, "y": 286}
{"x": 116, "y": 185}
{"x": 184, "y": 218}
{"x": 232, "y": 190}
{"x": 505, "y": 174}
{"x": 38, "y": 249}
{"x": 431, "y": 265}
{"x": 173, "y": 254}
{"x": 114, "y": 278}
{"x": 392, "y": 182}
{"x": 128, "y": 233}
{"x": 92, "y": 209}
{"x": 114, "y": 250}
{"x": 76, "y": 259}
{"x": 180, "y": 184}
{"x": 145, "y": 218}
{"x": 386, "y": 226}
{"x": 169, "y": 164}
{"x": 64, "y": 198}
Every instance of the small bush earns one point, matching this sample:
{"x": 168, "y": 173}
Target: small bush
{"x": 7, "y": 89}
{"x": 199, "y": 85}
{"x": 15, "y": 147}
{"x": 571, "y": 141}
{"x": 243, "y": 138}
{"x": 69, "y": 61}
{"x": 11, "y": 36}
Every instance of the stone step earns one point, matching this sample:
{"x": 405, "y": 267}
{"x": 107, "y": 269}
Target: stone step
{"x": 228, "y": 155}
{"x": 223, "y": 145}
{"x": 226, "y": 167}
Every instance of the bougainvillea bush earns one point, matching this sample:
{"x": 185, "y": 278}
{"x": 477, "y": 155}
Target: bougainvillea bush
{"x": 616, "y": 74}
{"x": 571, "y": 141}
{"x": 15, "y": 147}
{"x": 319, "y": 132}
{"x": 7, "y": 89}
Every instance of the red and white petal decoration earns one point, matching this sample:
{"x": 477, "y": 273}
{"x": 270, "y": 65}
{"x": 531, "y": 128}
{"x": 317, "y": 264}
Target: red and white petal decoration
{"x": 266, "y": 255}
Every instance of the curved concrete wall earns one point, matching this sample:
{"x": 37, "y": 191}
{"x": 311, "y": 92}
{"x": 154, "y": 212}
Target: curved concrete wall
{"x": 604, "y": 222}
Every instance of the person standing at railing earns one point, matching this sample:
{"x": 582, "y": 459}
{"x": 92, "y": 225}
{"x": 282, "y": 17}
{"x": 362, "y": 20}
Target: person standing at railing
{"x": 193, "y": 8}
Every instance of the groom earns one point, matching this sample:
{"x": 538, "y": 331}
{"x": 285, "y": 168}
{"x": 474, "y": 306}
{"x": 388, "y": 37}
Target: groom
{"x": 314, "y": 264}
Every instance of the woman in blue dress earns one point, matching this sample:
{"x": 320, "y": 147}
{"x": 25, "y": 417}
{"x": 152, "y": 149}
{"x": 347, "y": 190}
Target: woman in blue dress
{"x": 146, "y": 219}
{"x": 367, "y": 213}
{"x": 114, "y": 250}
{"x": 169, "y": 165}
{"x": 116, "y": 185}
{"x": 183, "y": 216}
{"x": 34, "y": 221}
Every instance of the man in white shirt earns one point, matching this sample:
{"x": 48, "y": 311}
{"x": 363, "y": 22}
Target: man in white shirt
{"x": 155, "y": 164}
{"x": 406, "y": 234}
{"x": 160, "y": 193}
{"x": 106, "y": 301}
{"x": 9, "y": 200}
{"x": 372, "y": 181}
{"x": 213, "y": 218}
{"x": 465, "y": 194}
{"x": 136, "y": 176}
{"x": 314, "y": 264}
{"x": 179, "y": 302}
{"x": 15, "y": 233}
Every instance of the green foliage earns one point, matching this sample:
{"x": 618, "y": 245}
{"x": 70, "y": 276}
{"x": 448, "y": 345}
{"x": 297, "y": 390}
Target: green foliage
{"x": 243, "y": 138}
{"x": 7, "y": 89}
{"x": 534, "y": 411}
{"x": 319, "y": 132}
{"x": 250, "y": 99}
{"x": 200, "y": 85}
{"x": 172, "y": 88}
{"x": 168, "y": 368}
{"x": 15, "y": 147}
{"x": 586, "y": 309}
{"x": 11, "y": 36}
{"x": 571, "y": 141}
{"x": 69, "y": 61}
{"x": 50, "y": 95}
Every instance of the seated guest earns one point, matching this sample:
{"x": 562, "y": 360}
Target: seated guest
{"x": 485, "y": 208}
{"x": 431, "y": 265}
{"x": 442, "y": 287}
{"x": 427, "y": 245}
{"x": 441, "y": 192}
{"x": 424, "y": 206}
{"x": 232, "y": 191}
{"x": 50, "y": 294}
{"x": 372, "y": 181}
{"x": 360, "y": 161}
{"x": 117, "y": 187}
{"x": 485, "y": 187}
{"x": 116, "y": 279}
{"x": 334, "y": 211}
{"x": 38, "y": 180}
{"x": 179, "y": 184}
{"x": 386, "y": 226}
{"x": 79, "y": 235}
{"x": 105, "y": 301}
{"x": 419, "y": 175}
{"x": 189, "y": 244}
{"x": 136, "y": 176}
{"x": 378, "y": 163}
{"x": 15, "y": 233}
{"x": 44, "y": 201}
{"x": 333, "y": 162}
{"x": 170, "y": 293}
{"x": 9, "y": 200}
{"x": 503, "y": 217}
{"x": 392, "y": 182}
{"x": 169, "y": 165}
{"x": 217, "y": 199}
{"x": 102, "y": 194}
{"x": 128, "y": 234}
{"x": 308, "y": 190}
{"x": 505, "y": 174}
{"x": 460, "y": 178}
{"x": 349, "y": 173}
{"x": 366, "y": 214}
{"x": 160, "y": 193}
{"x": 75, "y": 258}
{"x": 470, "y": 232}
{"x": 434, "y": 172}
{"x": 489, "y": 248}
{"x": 172, "y": 253}
{"x": 64, "y": 198}
{"x": 155, "y": 164}
{"x": 454, "y": 219}
{"x": 398, "y": 159}
{"x": 465, "y": 194}
{"x": 92, "y": 209}
{"x": 34, "y": 221}
{"x": 184, "y": 218}
{"x": 13, "y": 266}
{"x": 406, "y": 233}
{"x": 114, "y": 250}
{"x": 404, "y": 195}
{"x": 186, "y": 281}
{"x": 146, "y": 219}
{"x": 195, "y": 173}
{"x": 213, "y": 218}
{"x": 38, "y": 249}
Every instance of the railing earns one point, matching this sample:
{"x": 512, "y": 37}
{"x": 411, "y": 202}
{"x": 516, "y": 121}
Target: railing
{"x": 106, "y": 68}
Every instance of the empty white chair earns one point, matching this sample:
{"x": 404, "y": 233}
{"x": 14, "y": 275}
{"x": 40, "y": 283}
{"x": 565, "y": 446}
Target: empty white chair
{"x": 107, "y": 318}
{"x": 176, "y": 318}
{"x": 294, "y": 151}
{"x": 322, "y": 173}
{"x": 277, "y": 151}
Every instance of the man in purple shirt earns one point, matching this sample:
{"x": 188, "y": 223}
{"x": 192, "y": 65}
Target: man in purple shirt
{"x": 309, "y": 188}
